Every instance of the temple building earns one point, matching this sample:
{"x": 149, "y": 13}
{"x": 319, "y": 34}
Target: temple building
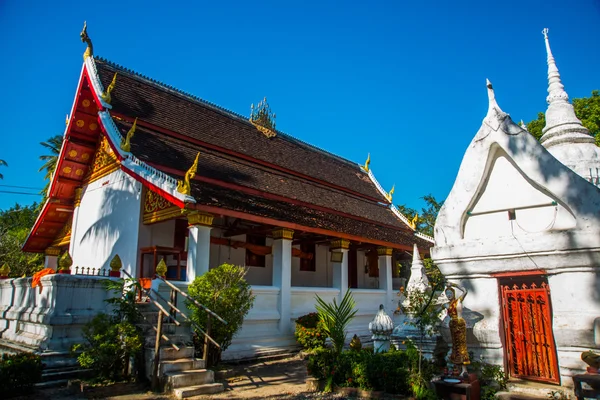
{"x": 148, "y": 172}
{"x": 520, "y": 230}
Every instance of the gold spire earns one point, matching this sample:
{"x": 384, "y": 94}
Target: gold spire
{"x": 116, "y": 264}
{"x": 106, "y": 95}
{"x": 184, "y": 186}
{"x": 126, "y": 143}
{"x": 366, "y": 167}
{"x": 86, "y": 39}
{"x": 390, "y": 194}
{"x": 413, "y": 222}
{"x": 161, "y": 268}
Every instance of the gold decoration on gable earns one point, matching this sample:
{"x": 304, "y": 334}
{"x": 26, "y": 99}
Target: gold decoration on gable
{"x": 157, "y": 208}
{"x": 89, "y": 51}
{"x": 390, "y": 194}
{"x": 105, "y": 161}
{"x": 184, "y": 186}
{"x": 366, "y": 166}
{"x": 413, "y": 222}
{"x": 126, "y": 142}
{"x": 106, "y": 95}
{"x": 63, "y": 238}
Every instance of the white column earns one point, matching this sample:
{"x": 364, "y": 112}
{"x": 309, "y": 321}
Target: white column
{"x": 339, "y": 262}
{"x": 76, "y": 204}
{"x": 282, "y": 276}
{"x": 51, "y": 257}
{"x": 385, "y": 275}
{"x": 198, "y": 253}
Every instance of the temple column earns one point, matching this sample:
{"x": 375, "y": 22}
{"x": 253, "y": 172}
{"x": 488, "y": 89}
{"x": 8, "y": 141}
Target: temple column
{"x": 282, "y": 275}
{"x": 198, "y": 252}
{"x": 385, "y": 274}
{"x": 339, "y": 261}
{"x": 51, "y": 257}
{"x": 76, "y": 204}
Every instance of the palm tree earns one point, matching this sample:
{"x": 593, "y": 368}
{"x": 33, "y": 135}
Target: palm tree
{"x": 54, "y": 145}
{"x": 3, "y": 164}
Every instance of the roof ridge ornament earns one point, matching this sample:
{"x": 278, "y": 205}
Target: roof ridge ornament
{"x": 184, "y": 186}
{"x": 390, "y": 193}
{"x": 89, "y": 51}
{"x": 495, "y": 116}
{"x": 106, "y": 95}
{"x": 126, "y": 142}
{"x": 366, "y": 166}
{"x": 413, "y": 222}
{"x": 263, "y": 119}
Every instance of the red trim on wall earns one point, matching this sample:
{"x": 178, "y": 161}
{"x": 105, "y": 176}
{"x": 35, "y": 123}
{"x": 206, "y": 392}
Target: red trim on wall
{"x": 243, "y": 156}
{"x": 519, "y": 273}
{"x": 290, "y": 225}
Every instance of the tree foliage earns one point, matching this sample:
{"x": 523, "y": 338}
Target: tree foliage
{"x": 587, "y": 109}
{"x": 53, "y": 145}
{"x": 426, "y": 220}
{"x": 15, "y": 224}
{"x": 225, "y": 291}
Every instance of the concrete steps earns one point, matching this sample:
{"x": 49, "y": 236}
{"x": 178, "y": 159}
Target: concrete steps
{"x": 197, "y": 390}
{"x": 522, "y": 389}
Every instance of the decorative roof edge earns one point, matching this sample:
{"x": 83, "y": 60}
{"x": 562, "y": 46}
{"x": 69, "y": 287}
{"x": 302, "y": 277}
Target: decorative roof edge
{"x": 137, "y": 166}
{"x": 401, "y": 217}
{"x": 213, "y": 106}
{"x": 369, "y": 173}
{"x": 95, "y": 80}
{"x": 425, "y": 237}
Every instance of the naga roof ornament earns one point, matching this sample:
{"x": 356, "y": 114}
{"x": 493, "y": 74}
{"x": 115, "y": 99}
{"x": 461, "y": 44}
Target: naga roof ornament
{"x": 390, "y": 193}
{"x": 89, "y": 51}
{"x": 126, "y": 142}
{"x": 366, "y": 166}
{"x": 106, "y": 95}
{"x": 184, "y": 186}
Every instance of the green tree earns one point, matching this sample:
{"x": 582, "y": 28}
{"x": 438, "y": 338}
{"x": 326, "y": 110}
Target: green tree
{"x": 3, "y": 164}
{"x": 426, "y": 219}
{"x": 53, "y": 145}
{"x": 225, "y": 291}
{"x": 587, "y": 109}
{"x": 15, "y": 224}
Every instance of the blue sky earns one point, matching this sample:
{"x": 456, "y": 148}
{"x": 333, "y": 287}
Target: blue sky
{"x": 403, "y": 80}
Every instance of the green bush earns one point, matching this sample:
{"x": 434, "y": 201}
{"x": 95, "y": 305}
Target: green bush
{"x": 223, "y": 290}
{"x": 18, "y": 373}
{"x": 336, "y": 317}
{"x": 111, "y": 340}
{"x": 387, "y": 372}
{"x": 309, "y": 332}
{"x": 491, "y": 376}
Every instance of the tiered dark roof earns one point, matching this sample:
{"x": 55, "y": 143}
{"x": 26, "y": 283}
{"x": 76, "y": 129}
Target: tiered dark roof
{"x": 241, "y": 169}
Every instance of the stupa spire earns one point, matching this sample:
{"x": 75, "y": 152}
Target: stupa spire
{"x": 562, "y": 125}
{"x": 418, "y": 278}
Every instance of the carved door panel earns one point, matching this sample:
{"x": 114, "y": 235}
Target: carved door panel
{"x": 527, "y": 315}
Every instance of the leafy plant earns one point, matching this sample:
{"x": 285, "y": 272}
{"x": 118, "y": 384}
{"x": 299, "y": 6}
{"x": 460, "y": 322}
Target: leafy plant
{"x": 223, "y": 290}
{"x": 335, "y": 318}
{"x": 309, "y": 331}
{"x": 492, "y": 377}
{"x": 111, "y": 340}
{"x": 18, "y": 373}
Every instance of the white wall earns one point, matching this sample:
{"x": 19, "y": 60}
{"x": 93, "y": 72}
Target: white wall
{"x": 108, "y": 223}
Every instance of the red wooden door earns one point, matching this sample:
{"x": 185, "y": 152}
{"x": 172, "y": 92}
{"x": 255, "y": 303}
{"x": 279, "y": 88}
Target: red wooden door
{"x": 527, "y": 316}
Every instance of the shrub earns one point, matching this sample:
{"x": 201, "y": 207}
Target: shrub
{"x": 492, "y": 377}
{"x": 224, "y": 291}
{"x": 335, "y": 318}
{"x": 112, "y": 339}
{"x": 18, "y": 373}
{"x": 309, "y": 332}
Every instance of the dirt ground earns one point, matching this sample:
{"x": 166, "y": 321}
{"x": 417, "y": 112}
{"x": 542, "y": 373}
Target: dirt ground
{"x": 283, "y": 379}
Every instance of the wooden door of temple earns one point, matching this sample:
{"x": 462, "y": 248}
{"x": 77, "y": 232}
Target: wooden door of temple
{"x": 527, "y": 317}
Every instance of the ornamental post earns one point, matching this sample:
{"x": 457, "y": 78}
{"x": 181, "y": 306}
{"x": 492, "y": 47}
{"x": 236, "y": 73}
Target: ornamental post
{"x": 282, "y": 275}
{"x": 385, "y": 274}
{"x": 198, "y": 256}
{"x": 339, "y": 261}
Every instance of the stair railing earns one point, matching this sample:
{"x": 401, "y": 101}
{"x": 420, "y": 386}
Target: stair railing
{"x": 172, "y": 316}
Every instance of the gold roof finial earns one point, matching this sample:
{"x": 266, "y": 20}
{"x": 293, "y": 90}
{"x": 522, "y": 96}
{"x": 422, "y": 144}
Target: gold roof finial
{"x": 126, "y": 142}
{"x": 263, "y": 119}
{"x": 185, "y": 186}
{"x": 67, "y": 120}
{"x": 390, "y": 194}
{"x": 161, "y": 268}
{"x": 366, "y": 167}
{"x": 89, "y": 51}
{"x": 413, "y": 222}
{"x": 106, "y": 95}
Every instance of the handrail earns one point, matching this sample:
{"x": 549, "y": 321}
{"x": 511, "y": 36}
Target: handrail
{"x": 191, "y": 299}
{"x": 163, "y": 336}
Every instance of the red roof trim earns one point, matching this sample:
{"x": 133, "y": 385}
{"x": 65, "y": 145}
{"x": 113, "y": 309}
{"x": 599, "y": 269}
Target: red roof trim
{"x": 271, "y": 196}
{"x": 241, "y": 155}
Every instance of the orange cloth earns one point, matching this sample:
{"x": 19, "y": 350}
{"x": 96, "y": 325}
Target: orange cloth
{"x": 38, "y": 276}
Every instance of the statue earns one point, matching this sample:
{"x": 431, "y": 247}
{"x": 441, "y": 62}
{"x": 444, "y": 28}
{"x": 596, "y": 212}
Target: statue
{"x": 458, "y": 327}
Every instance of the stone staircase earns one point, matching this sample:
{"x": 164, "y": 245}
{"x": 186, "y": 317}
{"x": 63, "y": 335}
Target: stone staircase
{"x": 179, "y": 372}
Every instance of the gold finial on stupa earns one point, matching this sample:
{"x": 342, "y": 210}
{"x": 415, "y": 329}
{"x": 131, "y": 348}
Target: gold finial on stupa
{"x": 89, "y": 51}
{"x": 106, "y": 95}
{"x": 126, "y": 142}
{"x": 161, "y": 268}
{"x": 116, "y": 264}
{"x": 65, "y": 261}
{"x": 185, "y": 186}
{"x": 366, "y": 167}
{"x": 390, "y": 194}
